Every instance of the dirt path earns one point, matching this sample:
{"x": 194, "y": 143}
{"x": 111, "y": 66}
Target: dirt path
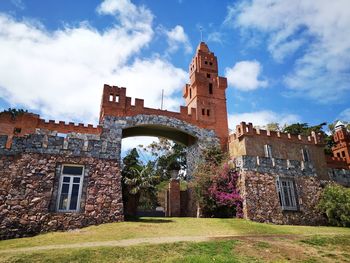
{"x": 138, "y": 241}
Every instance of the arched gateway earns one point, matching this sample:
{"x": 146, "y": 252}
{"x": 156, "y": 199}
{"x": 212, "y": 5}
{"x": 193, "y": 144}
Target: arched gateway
{"x": 201, "y": 123}
{"x": 65, "y": 176}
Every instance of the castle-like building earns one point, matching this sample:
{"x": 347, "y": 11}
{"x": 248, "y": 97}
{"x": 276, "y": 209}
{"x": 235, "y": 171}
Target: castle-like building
{"x": 57, "y": 175}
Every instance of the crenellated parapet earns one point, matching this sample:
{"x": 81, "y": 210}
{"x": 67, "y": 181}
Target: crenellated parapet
{"x": 70, "y": 145}
{"x": 244, "y": 129}
{"x": 277, "y": 166}
{"x": 115, "y": 103}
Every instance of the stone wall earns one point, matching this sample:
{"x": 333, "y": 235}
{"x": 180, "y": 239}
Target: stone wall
{"x": 258, "y": 187}
{"x": 261, "y": 201}
{"x": 29, "y": 181}
{"x": 341, "y": 176}
{"x": 29, "y": 187}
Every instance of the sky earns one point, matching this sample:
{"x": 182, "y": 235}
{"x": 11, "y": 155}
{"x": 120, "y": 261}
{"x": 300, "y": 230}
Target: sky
{"x": 286, "y": 61}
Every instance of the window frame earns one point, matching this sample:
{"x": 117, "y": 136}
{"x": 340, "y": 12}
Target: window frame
{"x": 268, "y": 150}
{"x": 291, "y": 192}
{"x": 71, "y": 182}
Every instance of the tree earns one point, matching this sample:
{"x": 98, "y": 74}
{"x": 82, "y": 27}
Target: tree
{"x": 215, "y": 185}
{"x": 137, "y": 179}
{"x": 304, "y": 128}
{"x": 273, "y": 126}
{"x": 335, "y": 203}
{"x": 168, "y": 156}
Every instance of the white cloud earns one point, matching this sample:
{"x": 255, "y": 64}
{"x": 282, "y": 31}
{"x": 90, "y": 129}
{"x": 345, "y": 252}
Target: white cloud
{"x": 216, "y": 37}
{"x": 261, "y": 118}
{"x": 345, "y": 115}
{"x": 244, "y": 75}
{"x": 176, "y": 38}
{"x": 61, "y": 73}
{"x": 322, "y": 29}
{"x": 129, "y": 15}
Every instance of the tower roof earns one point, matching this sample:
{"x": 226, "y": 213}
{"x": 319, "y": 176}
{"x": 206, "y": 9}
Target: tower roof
{"x": 202, "y": 47}
{"x": 339, "y": 125}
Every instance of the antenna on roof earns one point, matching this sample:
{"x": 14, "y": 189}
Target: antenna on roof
{"x": 161, "y": 105}
{"x": 201, "y": 30}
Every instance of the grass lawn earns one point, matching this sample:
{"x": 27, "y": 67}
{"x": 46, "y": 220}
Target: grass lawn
{"x": 251, "y": 242}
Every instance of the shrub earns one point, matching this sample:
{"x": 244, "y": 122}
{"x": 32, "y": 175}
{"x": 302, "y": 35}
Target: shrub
{"x": 335, "y": 203}
{"x": 215, "y": 184}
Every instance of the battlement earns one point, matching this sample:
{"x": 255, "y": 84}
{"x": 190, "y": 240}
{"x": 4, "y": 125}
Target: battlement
{"x": 71, "y": 145}
{"x": 116, "y": 103}
{"x": 248, "y": 130}
{"x": 275, "y": 166}
{"x": 64, "y": 127}
{"x": 337, "y": 162}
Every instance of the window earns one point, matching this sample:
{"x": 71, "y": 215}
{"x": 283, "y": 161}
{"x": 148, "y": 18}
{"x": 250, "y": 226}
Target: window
{"x": 17, "y": 131}
{"x": 343, "y": 153}
{"x": 117, "y": 98}
{"x": 205, "y": 62}
{"x": 111, "y": 97}
{"x": 306, "y": 155}
{"x": 208, "y": 112}
{"x": 70, "y": 188}
{"x": 210, "y": 88}
{"x": 208, "y": 75}
{"x": 268, "y": 150}
{"x": 190, "y": 93}
{"x": 210, "y": 63}
{"x": 203, "y": 111}
{"x": 286, "y": 194}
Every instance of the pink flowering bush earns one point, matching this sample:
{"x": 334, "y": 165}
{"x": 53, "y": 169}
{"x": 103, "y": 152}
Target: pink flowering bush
{"x": 215, "y": 184}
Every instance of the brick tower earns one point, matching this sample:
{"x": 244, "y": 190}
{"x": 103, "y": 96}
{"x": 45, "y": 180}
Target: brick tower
{"x": 342, "y": 139}
{"x": 206, "y": 92}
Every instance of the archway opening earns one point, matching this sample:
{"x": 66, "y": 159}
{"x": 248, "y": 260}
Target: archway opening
{"x": 161, "y": 156}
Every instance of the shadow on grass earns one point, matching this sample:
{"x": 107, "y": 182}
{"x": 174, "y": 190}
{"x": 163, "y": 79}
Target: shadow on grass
{"x": 148, "y": 220}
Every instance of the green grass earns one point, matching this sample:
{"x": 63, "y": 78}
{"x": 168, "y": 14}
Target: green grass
{"x": 251, "y": 242}
{"x": 214, "y": 251}
{"x": 158, "y": 227}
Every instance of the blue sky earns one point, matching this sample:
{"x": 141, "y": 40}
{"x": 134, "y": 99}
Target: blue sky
{"x": 286, "y": 61}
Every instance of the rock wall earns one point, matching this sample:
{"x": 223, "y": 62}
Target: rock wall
{"x": 29, "y": 181}
{"x": 29, "y": 187}
{"x": 261, "y": 201}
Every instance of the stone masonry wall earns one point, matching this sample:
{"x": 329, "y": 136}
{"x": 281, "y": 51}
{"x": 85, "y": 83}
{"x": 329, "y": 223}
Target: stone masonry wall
{"x": 261, "y": 201}
{"x": 29, "y": 188}
{"x": 258, "y": 189}
{"x": 29, "y": 181}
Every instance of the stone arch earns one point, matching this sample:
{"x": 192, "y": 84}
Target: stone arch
{"x": 195, "y": 138}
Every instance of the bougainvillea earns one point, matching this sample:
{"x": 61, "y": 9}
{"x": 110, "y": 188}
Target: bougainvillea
{"x": 224, "y": 192}
{"x": 216, "y": 188}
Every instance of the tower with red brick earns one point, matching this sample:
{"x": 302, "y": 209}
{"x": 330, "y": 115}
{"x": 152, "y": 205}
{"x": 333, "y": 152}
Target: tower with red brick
{"x": 342, "y": 139}
{"x": 206, "y": 92}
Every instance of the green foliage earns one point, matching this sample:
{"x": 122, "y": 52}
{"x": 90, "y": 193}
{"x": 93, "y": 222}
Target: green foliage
{"x": 304, "y": 128}
{"x": 214, "y": 183}
{"x": 14, "y": 112}
{"x": 138, "y": 182}
{"x": 335, "y": 203}
{"x": 168, "y": 157}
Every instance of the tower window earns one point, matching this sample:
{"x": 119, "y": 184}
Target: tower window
{"x": 210, "y": 63}
{"x": 208, "y": 112}
{"x": 210, "y": 88}
{"x": 343, "y": 153}
{"x": 208, "y": 75}
{"x": 111, "y": 97}
{"x": 203, "y": 111}
{"x": 190, "y": 93}
{"x": 205, "y": 62}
